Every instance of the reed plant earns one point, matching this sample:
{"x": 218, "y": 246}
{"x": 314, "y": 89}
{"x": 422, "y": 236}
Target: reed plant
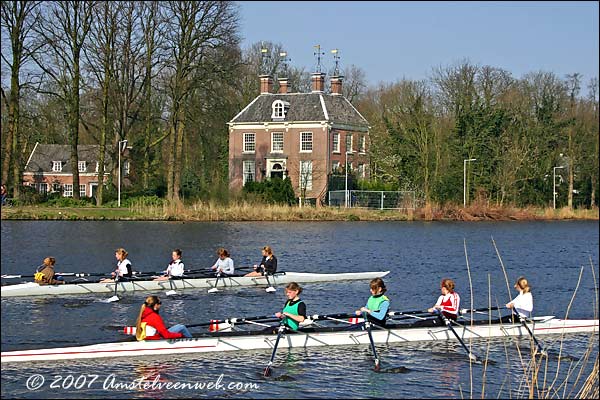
{"x": 544, "y": 377}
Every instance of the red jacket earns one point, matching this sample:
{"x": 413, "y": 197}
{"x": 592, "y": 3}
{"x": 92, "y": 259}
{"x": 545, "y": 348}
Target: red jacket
{"x": 151, "y": 318}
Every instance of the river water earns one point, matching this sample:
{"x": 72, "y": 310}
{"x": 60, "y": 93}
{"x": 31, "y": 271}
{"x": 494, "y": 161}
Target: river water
{"x": 556, "y": 257}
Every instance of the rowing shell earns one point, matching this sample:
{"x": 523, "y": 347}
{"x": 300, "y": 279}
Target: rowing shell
{"x": 307, "y": 337}
{"x": 33, "y": 289}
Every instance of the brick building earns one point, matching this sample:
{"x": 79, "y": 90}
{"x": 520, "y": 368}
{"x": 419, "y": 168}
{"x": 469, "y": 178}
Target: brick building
{"x": 304, "y": 136}
{"x": 48, "y": 169}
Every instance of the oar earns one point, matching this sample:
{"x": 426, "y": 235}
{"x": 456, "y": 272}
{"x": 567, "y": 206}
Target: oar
{"x": 267, "y": 371}
{"x": 270, "y": 289}
{"x": 472, "y": 356}
{"x": 215, "y": 290}
{"x": 115, "y": 297}
{"x": 368, "y": 327}
{"x": 524, "y": 323}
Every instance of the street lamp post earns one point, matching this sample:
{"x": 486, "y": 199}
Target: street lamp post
{"x": 346, "y": 187}
{"x": 554, "y": 186}
{"x": 122, "y": 145}
{"x": 465, "y": 180}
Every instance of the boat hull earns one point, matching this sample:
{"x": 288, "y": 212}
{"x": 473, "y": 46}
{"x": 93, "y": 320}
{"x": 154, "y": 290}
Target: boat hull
{"x": 222, "y": 343}
{"x": 33, "y": 289}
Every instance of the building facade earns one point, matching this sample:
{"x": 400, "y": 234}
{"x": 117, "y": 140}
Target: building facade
{"x": 303, "y": 136}
{"x": 48, "y": 169}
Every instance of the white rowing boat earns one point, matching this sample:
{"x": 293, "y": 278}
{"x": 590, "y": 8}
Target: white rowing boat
{"x": 33, "y": 289}
{"x": 306, "y": 337}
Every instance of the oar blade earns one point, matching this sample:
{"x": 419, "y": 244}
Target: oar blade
{"x": 270, "y": 289}
{"x": 213, "y": 290}
{"x": 112, "y": 299}
{"x": 267, "y": 371}
{"x": 170, "y": 293}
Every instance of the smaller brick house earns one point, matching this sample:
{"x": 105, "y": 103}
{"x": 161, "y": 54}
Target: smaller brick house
{"x": 48, "y": 169}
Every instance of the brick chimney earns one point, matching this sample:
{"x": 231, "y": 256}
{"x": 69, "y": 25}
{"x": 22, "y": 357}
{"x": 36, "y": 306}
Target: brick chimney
{"x": 283, "y": 85}
{"x": 318, "y": 82}
{"x": 336, "y": 85}
{"x": 266, "y": 84}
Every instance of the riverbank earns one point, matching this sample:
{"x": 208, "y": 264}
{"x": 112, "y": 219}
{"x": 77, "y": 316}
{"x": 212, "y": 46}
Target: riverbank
{"x": 259, "y": 212}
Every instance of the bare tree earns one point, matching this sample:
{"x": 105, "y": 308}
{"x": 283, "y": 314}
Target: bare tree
{"x": 573, "y": 82}
{"x": 100, "y": 55}
{"x": 195, "y": 28}
{"x": 17, "y": 20}
{"x": 63, "y": 29}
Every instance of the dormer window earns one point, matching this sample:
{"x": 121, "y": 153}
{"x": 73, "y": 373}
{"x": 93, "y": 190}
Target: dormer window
{"x": 280, "y": 108}
{"x": 56, "y": 166}
{"x": 82, "y": 166}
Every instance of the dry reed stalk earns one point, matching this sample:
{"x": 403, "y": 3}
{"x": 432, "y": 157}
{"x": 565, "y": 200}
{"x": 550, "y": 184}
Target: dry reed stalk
{"x": 471, "y": 291}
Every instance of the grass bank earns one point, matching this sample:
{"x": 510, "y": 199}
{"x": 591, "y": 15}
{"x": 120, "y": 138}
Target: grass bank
{"x": 243, "y": 211}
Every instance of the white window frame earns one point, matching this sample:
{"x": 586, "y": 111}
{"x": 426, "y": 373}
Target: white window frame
{"x": 336, "y": 142}
{"x": 68, "y": 190}
{"x": 273, "y": 149}
{"x": 335, "y": 166}
{"x": 249, "y": 146}
{"x": 82, "y": 191}
{"x": 56, "y": 166}
{"x": 278, "y": 109}
{"x": 362, "y": 141}
{"x": 56, "y": 187}
{"x": 97, "y": 165}
{"x": 361, "y": 170}
{"x": 349, "y": 143}
{"x": 248, "y": 171}
{"x": 41, "y": 188}
{"x": 306, "y": 176}
{"x": 306, "y": 146}
{"x": 81, "y": 166}
{"x": 126, "y": 167}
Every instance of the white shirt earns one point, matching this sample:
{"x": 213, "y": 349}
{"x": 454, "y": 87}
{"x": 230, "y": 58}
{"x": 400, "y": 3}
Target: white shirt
{"x": 176, "y": 268}
{"x": 122, "y": 267}
{"x": 523, "y": 304}
{"x": 225, "y": 265}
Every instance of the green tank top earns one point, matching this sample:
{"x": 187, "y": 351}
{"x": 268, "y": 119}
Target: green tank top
{"x": 374, "y": 302}
{"x": 294, "y": 311}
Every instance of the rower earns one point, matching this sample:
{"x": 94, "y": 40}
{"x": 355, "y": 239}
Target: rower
{"x": 378, "y": 304}
{"x": 175, "y": 269}
{"x": 124, "y": 269}
{"x": 268, "y": 264}
{"x": 150, "y": 326}
{"x": 45, "y": 275}
{"x": 224, "y": 264}
{"x": 449, "y": 301}
{"x": 523, "y": 303}
{"x": 294, "y": 310}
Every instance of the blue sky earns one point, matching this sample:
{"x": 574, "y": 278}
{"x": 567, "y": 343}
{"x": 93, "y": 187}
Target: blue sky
{"x": 392, "y": 40}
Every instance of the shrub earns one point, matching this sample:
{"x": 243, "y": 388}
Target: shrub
{"x": 272, "y": 191}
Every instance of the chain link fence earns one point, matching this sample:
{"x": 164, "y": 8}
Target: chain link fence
{"x": 374, "y": 199}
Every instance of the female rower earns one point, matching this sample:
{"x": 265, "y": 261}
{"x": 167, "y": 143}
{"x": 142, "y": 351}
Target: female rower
{"x": 44, "y": 274}
{"x": 268, "y": 264}
{"x": 378, "y": 304}
{"x": 294, "y": 310}
{"x": 523, "y": 303}
{"x": 175, "y": 269}
{"x": 124, "y": 268}
{"x": 150, "y": 326}
{"x": 224, "y": 264}
{"x": 449, "y": 302}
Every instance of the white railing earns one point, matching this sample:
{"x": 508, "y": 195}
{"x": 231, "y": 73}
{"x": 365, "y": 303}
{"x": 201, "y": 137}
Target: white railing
{"x": 378, "y": 199}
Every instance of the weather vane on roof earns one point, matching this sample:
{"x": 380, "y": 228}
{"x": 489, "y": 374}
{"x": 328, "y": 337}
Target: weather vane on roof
{"x": 284, "y": 61}
{"x": 264, "y": 54}
{"x": 336, "y": 57}
{"x": 318, "y": 53}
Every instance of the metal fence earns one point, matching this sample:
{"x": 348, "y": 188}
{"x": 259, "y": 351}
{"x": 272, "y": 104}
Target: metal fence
{"x": 379, "y": 199}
